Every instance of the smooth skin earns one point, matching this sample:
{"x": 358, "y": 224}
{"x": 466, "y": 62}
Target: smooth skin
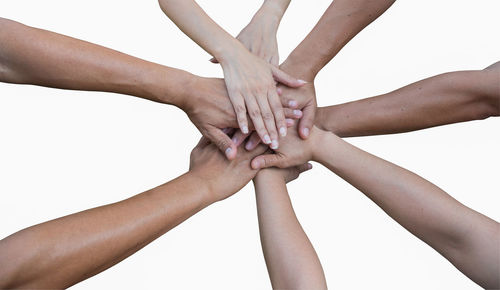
{"x": 466, "y": 238}
{"x": 291, "y": 260}
{"x": 49, "y": 59}
{"x": 67, "y": 250}
{"x": 250, "y": 80}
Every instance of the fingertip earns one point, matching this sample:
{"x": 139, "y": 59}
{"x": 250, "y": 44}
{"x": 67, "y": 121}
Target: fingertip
{"x": 304, "y": 133}
{"x": 289, "y": 122}
{"x": 256, "y": 163}
{"x": 230, "y": 153}
{"x": 309, "y": 166}
{"x": 292, "y": 104}
{"x": 279, "y": 91}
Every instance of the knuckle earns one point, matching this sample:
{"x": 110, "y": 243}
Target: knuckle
{"x": 267, "y": 116}
{"x": 254, "y": 113}
{"x": 239, "y": 109}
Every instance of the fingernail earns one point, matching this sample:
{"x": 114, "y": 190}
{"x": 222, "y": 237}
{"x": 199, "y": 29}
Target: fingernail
{"x": 305, "y": 132}
{"x": 302, "y": 82}
{"x": 274, "y": 145}
{"x": 309, "y": 166}
{"x": 297, "y": 112}
{"x": 267, "y": 140}
{"x": 228, "y": 151}
{"x": 292, "y": 103}
{"x": 283, "y": 131}
{"x": 289, "y": 122}
{"x": 279, "y": 91}
{"x": 249, "y": 145}
{"x": 234, "y": 140}
{"x": 245, "y": 130}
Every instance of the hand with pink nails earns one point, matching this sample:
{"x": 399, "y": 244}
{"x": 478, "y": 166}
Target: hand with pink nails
{"x": 303, "y": 98}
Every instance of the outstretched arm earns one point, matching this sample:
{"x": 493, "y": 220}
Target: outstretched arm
{"x": 468, "y": 239}
{"x": 343, "y": 20}
{"x": 65, "y": 251}
{"x": 34, "y": 56}
{"x": 444, "y": 99}
{"x": 38, "y": 57}
{"x": 291, "y": 260}
{"x": 250, "y": 80}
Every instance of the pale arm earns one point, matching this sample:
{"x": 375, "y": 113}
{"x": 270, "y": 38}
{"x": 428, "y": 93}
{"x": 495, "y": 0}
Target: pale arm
{"x": 444, "y": 99}
{"x": 249, "y": 79}
{"x": 291, "y": 260}
{"x": 468, "y": 239}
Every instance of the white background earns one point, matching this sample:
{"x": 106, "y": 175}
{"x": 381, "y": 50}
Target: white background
{"x": 64, "y": 151}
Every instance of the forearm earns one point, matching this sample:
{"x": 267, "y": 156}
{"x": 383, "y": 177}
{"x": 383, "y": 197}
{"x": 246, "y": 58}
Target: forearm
{"x": 339, "y": 24}
{"x": 195, "y": 23}
{"x": 274, "y": 9}
{"x": 33, "y": 56}
{"x": 291, "y": 260}
{"x": 466, "y": 238}
{"x": 439, "y": 100}
{"x": 65, "y": 251}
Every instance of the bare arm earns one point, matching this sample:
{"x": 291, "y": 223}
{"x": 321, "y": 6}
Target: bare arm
{"x": 34, "y": 56}
{"x": 444, "y": 99}
{"x": 65, "y": 251}
{"x": 468, "y": 239}
{"x": 343, "y": 20}
{"x": 291, "y": 260}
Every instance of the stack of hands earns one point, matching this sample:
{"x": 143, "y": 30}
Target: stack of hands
{"x": 260, "y": 123}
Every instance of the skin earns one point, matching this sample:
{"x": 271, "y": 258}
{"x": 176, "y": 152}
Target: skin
{"x": 49, "y": 59}
{"x": 440, "y": 100}
{"x": 466, "y": 238}
{"x": 250, "y": 80}
{"x": 259, "y": 36}
{"x": 291, "y": 260}
{"x": 343, "y": 20}
{"x": 443, "y": 99}
{"x": 65, "y": 251}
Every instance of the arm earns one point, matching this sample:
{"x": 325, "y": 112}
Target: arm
{"x": 339, "y": 24}
{"x": 259, "y": 36}
{"x": 65, "y": 251}
{"x": 249, "y": 79}
{"x": 468, "y": 239}
{"x": 291, "y": 260}
{"x": 38, "y": 57}
{"x": 444, "y": 99}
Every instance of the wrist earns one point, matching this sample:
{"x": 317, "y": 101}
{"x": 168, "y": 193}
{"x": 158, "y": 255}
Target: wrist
{"x": 319, "y": 141}
{"x": 300, "y": 67}
{"x": 167, "y": 85}
{"x": 271, "y": 13}
{"x": 204, "y": 188}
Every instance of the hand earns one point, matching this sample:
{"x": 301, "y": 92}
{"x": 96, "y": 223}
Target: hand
{"x": 223, "y": 177}
{"x": 288, "y": 174}
{"x": 292, "y": 152}
{"x": 302, "y": 98}
{"x": 251, "y": 85}
{"x": 208, "y": 106}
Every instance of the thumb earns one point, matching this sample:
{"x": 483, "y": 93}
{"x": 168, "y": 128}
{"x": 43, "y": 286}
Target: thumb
{"x": 307, "y": 120}
{"x": 266, "y": 160}
{"x": 222, "y": 141}
{"x": 284, "y": 78}
{"x": 213, "y": 60}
